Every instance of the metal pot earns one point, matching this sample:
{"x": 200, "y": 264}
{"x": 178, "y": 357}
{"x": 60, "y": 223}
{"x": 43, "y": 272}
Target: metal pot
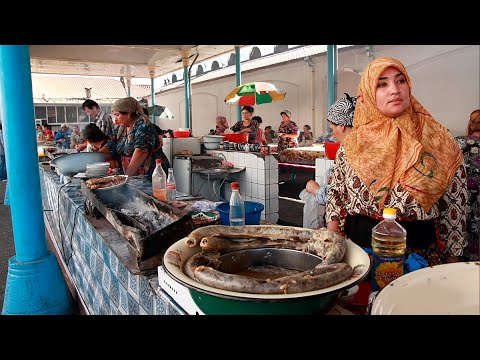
{"x": 71, "y": 164}
{"x": 213, "y": 301}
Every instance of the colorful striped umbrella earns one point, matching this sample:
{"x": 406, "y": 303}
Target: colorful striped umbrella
{"x": 254, "y": 93}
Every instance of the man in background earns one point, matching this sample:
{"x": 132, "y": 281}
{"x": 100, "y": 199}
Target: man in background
{"x": 102, "y": 120}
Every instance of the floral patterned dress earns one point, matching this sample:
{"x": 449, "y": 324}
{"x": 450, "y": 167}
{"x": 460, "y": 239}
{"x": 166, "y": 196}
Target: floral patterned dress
{"x": 287, "y": 128}
{"x": 348, "y": 196}
{"x": 470, "y": 147}
{"x": 141, "y": 136}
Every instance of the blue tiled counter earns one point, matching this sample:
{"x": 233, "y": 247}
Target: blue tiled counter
{"x": 84, "y": 244}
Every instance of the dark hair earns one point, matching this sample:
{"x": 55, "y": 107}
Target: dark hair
{"x": 145, "y": 111}
{"x": 248, "y": 108}
{"x": 258, "y": 118}
{"x": 93, "y": 133}
{"x": 90, "y": 104}
{"x": 268, "y": 127}
{"x": 308, "y": 127}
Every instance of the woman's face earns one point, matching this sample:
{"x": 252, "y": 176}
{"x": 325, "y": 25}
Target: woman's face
{"x": 338, "y": 131}
{"x": 393, "y": 94}
{"x": 122, "y": 119}
{"x": 247, "y": 115}
{"x": 285, "y": 118}
{"x": 305, "y": 129}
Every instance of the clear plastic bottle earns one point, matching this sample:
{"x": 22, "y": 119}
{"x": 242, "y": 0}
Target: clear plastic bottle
{"x": 389, "y": 240}
{"x": 237, "y": 207}
{"x": 159, "y": 182}
{"x": 171, "y": 186}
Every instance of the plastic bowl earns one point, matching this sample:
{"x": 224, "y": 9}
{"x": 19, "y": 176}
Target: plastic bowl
{"x": 181, "y": 134}
{"x": 237, "y": 138}
{"x": 331, "y": 149}
{"x": 253, "y": 210}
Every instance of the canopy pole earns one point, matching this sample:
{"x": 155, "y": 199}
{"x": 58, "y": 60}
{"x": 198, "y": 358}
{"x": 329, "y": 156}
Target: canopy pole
{"x": 332, "y": 78}
{"x": 151, "y": 72}
{"x": 238, "y": 77}
{"x": 186, "y": 85}
{"x": 35, "y": 284}
{"x": 128, "y": 76}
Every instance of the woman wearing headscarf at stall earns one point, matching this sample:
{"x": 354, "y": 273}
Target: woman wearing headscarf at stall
{"x": 247, "y": 124}
{"x": 399, "y": 156}
{"x": 221, "y": 125}
{"x": 287, "y": 132}
{"x": 135, "y": 138}
{"x": 470, "y": 147}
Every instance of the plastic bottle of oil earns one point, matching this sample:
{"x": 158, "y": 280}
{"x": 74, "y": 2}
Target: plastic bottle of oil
{"x": 159, "y": 182}
{"x": 389, "y": 240}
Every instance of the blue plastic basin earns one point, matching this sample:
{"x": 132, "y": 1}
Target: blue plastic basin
{"x": 253, "y": 211}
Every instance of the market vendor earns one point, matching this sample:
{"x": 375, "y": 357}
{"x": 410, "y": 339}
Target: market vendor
{"x": 135, "y": 140}
{"x": 247, "y": 124}
{"x": 287, "y": 132}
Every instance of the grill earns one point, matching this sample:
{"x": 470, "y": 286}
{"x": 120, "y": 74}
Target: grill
{"x": 148, "y": 225}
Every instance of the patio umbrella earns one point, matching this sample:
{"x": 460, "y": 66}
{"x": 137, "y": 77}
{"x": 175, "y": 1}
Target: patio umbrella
{"x": 254, "y": 93}
{"x": 160, "y": 111}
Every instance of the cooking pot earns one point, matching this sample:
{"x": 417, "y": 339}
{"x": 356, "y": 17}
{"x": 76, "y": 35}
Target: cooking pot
{"x": 213, "y": 301}
{"x": 71, "y": 164}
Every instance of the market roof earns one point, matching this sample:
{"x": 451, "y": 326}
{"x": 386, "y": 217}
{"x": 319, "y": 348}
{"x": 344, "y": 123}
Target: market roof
{"x": 75, "y": 89}
{"x": 117, "y": 60}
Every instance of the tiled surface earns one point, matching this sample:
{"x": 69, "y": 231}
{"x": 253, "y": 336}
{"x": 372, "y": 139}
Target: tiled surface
{"x": 105, "y": 285}
{"x": 259, "y": 181}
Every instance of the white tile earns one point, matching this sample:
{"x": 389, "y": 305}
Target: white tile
{"x": 252, "y": 161}
{"x": 254, "y": 189}
{"x": 247, "y": 189}
{"x": 235, "y": 157}
{"x": 247, "y": 198}
{"x": 260, "y": 177}
{"x": 274, "y": 176}
{"x": 266, "y": 210}
{"x": 273, "y": 218}
{"x": 274, "y": 205}
{"x": 250, "y": 174}
{"x": 260, "y": 162}
{"x": 241, "y": 159}
{"x": 261, "y": 192}
{"x": 274, "y": 191}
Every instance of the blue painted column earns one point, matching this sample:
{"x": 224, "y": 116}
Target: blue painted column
{"x": 331, "y": 78}
{"x": 35, "y": 284}
{"x": 152, "y": 81}
{"x": 187, "y": 95}
{"x": 238, "y": 78}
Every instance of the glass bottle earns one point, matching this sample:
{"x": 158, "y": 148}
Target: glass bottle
{"x": 389, "y": 241}
{"x": 237, "y": 207}
{"x": 159, "y": 182}
{"x": 171, "y": 186}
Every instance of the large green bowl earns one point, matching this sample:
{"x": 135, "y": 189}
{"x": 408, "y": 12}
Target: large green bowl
{"x": 213, "y": 301}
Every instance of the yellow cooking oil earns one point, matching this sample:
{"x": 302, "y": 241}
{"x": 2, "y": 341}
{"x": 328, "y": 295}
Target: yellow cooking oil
{"x": 389, "y": 240}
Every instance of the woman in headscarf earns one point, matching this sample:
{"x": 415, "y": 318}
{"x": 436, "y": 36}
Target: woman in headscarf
{"x": 135, "y": 138}
{"x": 340, "y": 118}
{"x": 399, "y": 156}
{"x": 470, "y": 147}
{"x": 221, "y": 125}
{"x": 287, "y": 132}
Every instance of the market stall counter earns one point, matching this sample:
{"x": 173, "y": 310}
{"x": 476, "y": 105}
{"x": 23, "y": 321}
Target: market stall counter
{"x": 95, "y": 257}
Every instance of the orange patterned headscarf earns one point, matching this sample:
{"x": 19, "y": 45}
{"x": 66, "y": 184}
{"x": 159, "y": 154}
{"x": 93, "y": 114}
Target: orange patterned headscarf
{"x": 413, "y": 148}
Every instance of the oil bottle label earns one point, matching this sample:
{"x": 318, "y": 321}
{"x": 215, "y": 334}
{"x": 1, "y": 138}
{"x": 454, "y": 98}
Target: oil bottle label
{"x": 171, "y": 186}
{"x": 385, "y": 270}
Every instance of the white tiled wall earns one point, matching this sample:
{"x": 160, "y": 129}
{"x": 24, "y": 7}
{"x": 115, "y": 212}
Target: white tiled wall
{"x": 259, "y": 181}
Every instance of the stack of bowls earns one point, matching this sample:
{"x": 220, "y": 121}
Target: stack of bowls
{"x": 98, "y": 169}
{"x": 212, "y": 142}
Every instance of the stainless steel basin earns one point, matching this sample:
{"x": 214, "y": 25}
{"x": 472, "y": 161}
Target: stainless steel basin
{"x": 214, "y": 173}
